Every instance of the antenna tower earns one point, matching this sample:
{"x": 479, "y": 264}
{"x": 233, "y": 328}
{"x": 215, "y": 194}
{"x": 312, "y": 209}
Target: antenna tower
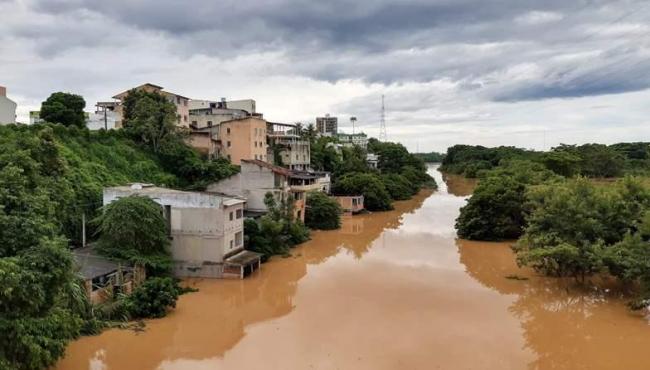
{"x": 382, "y": 123}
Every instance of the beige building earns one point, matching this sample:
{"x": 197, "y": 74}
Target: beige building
{"x": 243, "y": 139}
{"x": 294, "y": 152}
{"x": 207, "y": 230}
{"x": 7, "y": 108}
{"x": 351, "y": 204}
{"x": 180, "y": 102}
{"x": 328, "y": 125}
{"x": 257, "y": 178}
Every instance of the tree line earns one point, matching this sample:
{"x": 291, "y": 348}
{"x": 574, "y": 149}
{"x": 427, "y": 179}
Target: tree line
{"x": 565, "y": 223}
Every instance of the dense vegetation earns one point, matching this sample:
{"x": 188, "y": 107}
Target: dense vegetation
{"x": 322, "y": 212}
{"x": 50, "y": 176}
{"x": 399, "y": 176}
{"x": 275, "y": 232}
{"x": 567, "y": 225}
{"x": 431, "y": 157}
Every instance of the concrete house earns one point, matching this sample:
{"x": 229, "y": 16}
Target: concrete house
{"x": 257, "y": 178}
{"x": 7, "y": 108}
{"x": 351, "y": 204}
{"x": 294, "y": 152}
{"x": 207, "y": 230}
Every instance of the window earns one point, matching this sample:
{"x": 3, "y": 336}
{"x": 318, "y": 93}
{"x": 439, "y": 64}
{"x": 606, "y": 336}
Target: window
{"x": 231, "y": 216}
{"x": 228, "y": 156}
{"x": 228, "y": 130}
{"x": 232, "y": 242}
{"x": 178, "y": 100}
{"x": 256, "y": 131}
{"x": 239, "y": 238}
{"x": 240, "y": 213}
{"x": 209, "y": 123}
{"x": 256, "y": 147}
{"x": 229, "y": 144}
{"x": 185, "y": 102}
{"x": 194, "y": 123}
{"x": 185, "y": 118}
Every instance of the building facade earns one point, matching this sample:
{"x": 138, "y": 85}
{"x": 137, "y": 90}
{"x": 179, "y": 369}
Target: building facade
{"x": 349, "y": 140}
{"x": 243, "y": 139}
{"x": 257, "y": 178}
{"x": 7, "y": 108}
{"x": 328, "y": 125}
{"x": 180, "y": 102}
{"x": 293, "y": 152}
{"x": 207, "y": 230}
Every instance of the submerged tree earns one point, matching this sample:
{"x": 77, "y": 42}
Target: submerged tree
{"x": 322, "y": 212}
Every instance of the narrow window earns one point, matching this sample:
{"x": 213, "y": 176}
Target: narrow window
{"x": 240, "y": 213}
{"x": 231, "y": 216}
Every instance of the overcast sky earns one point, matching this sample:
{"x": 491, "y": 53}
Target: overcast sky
{"x": 491, "y": 72}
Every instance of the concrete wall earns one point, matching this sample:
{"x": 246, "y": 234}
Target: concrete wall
{"x": 243, "y": 139}
{"x": 95, "y": 120}
{"x": 201, "y": 228}
{"x": 7, "y": 110}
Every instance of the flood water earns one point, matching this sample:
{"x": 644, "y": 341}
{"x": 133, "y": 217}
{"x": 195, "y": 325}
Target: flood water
{"x": 393, "y": 290}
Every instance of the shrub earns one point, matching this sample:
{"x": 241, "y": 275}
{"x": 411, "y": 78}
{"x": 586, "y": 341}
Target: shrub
{"x": 154, "y": 298}
{"x": 322, "y": 212}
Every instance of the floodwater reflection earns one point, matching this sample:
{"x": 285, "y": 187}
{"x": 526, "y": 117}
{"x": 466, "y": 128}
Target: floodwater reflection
{"x": 391, "y": 290}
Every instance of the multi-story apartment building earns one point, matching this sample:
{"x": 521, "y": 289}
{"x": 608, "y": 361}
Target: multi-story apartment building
{"x": 180, "y": 102}
{"x": 328, "y": 125}
{"x": 243, "y": 139}
{"x": 7, "y": 107}
{"x": 293, "y": 152}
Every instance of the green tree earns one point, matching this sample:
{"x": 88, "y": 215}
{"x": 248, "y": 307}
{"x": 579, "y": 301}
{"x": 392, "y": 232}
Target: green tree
{"x": 64, "y": 108}
{"x": 496, "y": 209}
{"x": 376, "y": 197}
{"x": 133, "y": 228}
{"x": 150, "y": 118}
{"x": 398, "y": 186}
{"x": 322, "y": 212}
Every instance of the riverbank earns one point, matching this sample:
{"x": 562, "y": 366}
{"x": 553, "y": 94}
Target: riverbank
{"x": 389, "y": 290}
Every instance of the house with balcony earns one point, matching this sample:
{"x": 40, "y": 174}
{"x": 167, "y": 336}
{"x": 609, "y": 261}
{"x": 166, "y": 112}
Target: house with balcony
{"x": 257, "y": 178}
{"x": 206, "y": 230}
{"x": 351, "y": 204}
{"x": 287, "y": 148}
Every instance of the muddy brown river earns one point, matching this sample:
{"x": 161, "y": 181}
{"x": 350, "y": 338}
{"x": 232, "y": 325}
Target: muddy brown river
{"x": 393, "y": 290}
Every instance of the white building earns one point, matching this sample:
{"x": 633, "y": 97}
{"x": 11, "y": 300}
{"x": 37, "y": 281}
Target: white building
{"x": 349, "y": 140}
{"x": 7, "y": 108}
{"x": 207, "y": 230}
{"x": 372, "y": 160}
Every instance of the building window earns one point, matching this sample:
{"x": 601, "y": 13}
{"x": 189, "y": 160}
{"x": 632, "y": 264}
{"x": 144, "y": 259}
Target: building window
{"x": 232, "y": 242}
{"x": 256, "y": 147}
{"x": 229, "y": 144}
{"x": 185, "y": 118}
{"x": 239, "y": 238}
{"x": 240, "y": 213}
{"x": 228, "y": 130}
{"x": 178, "y": 100}
{"x": 231, "y": 216}
{"x": 228, "y": 156}
{"x": 194, "y": 123}
{"x": 209, "y": 123}
{"x": 185, "y": 102}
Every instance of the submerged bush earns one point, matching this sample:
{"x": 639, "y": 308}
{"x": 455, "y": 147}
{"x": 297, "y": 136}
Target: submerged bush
{"x": 322, "y": 212}
{"x": 153, "y": 298}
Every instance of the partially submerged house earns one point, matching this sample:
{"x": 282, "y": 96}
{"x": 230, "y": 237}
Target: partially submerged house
{"x": 103, "y": 277}
{"x": 351, "y": 204}
{"x": 257, "y": 178}
{"x": 206, "y": 230}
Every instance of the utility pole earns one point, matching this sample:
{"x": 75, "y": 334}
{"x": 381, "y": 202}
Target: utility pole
{"x": 83, "y": 229}
{"x": 382, "y": 123}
